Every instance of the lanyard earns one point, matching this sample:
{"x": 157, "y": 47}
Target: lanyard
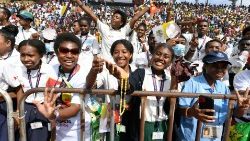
{"x": 49, "y": 57}
{"x": 199, "y": 48}
{"x": 37, "y": 80}
{"x": 155, "y": 89}
{"x": 62, "y": 74}
{"x": 23, "y": 35}
{"x": 85, "y": 40}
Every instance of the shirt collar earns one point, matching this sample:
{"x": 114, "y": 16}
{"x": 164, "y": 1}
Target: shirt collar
{"x": 206, "y": 86}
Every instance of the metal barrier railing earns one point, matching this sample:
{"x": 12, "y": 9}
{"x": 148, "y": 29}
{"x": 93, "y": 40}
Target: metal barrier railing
{"x": 10, "y": 114}
{"x": 143, "y": 95}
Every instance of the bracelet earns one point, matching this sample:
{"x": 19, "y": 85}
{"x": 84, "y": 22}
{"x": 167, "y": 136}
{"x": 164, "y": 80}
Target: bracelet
{"x": 186, "y": 112}
{"x": 57, "y": 115}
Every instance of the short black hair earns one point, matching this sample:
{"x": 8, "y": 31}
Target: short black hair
{"x": 66, "y": 37}
{"x": 38, "y": 44}
{"x": 214, "y": 40}
{"x": 9, "y": 32}
{"x": 245, "y": 30}
{"x": 85, "y": 18}
{"x": 123, "y": 16}
{"x": 244, "y": 38}
{"x": 143, "y": 25}
{"x": 126, "y": 44}
{"x": 6, "y": 11}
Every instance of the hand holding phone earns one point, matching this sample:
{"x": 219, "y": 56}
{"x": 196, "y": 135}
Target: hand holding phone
{"x": 206, "y": 102}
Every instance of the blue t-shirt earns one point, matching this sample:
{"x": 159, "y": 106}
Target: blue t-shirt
{"x": 198, "y": 84}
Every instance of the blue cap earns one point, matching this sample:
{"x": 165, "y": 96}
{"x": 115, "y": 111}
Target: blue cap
{"x": 215, "y": 56}
{"x": 26, "y": 15}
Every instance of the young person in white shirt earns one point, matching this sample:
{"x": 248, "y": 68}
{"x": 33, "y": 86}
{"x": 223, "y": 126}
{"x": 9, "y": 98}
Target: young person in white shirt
{"x": 99, "y": 77}
{"x": 35, "y": 73}
{"x": 4, "y": 16}
{"x": 89, "y": 43}
{"x": 7, "y": 42}
{"x": 69, "y": 75}
{"x": 119, "y": 29}
{"x": 8, "y": 82}
{"x": 25, "y": 30}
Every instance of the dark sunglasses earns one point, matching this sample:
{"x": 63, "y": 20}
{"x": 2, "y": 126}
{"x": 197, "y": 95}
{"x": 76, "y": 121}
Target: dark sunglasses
{"x": 74, "y": 51}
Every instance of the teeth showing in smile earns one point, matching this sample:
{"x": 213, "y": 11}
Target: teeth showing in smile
{"x": 158, "y": 63}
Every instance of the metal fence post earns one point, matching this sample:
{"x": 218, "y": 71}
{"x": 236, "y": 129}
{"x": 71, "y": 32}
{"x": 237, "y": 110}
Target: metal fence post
{"x": 10, "y": 120}
{"x": 171, "y": 118}
{"x": 142, "y": 121}
{"x": 229, "y": 120}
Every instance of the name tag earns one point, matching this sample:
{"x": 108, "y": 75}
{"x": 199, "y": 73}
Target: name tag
{"x": 157, "y": 135}
{"x": 120, "y": 128}
{"x": 49, "y": 127}
{"x": 36, "y": 125}
{"x": 210, "y": 131}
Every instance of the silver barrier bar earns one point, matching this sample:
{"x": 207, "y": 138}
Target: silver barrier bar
{"x": 111, "y": 92}
{"x": 10, "y": 120}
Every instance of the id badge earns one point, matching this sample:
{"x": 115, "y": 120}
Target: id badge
{"x": 210, "y": 131}
{"x": 157, "y": 135}
{"x": 121, "y": 128}
{"x": 36, "y": 125}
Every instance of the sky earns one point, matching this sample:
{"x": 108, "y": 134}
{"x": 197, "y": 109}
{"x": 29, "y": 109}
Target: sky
{"x": 244, "y": 2}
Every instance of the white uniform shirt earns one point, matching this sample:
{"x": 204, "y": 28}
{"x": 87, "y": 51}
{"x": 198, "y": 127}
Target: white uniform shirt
{"x": 24, "y": 34}
{"x": 200, "y": 51}
{"x": 12, "y": 58}
{"x": 7, "y": 76}
{"x": 70, "y": 129}
{"x": 89, "y": 43}
{"x": 109, "y": 36}
{"x": 46, "y": 74}
{"x": 151, "y": 104}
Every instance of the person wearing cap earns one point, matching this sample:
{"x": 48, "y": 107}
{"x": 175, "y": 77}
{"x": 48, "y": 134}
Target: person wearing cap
{"x": 4, "y": 16}
{"x": 49, "y": 35}
{"x": 25, "y": 29}
{"x": 215, "y": 66}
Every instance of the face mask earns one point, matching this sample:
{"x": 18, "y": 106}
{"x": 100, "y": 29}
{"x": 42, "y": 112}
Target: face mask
{"x": 179, "y": 49}
{"x": 49, "y": 47}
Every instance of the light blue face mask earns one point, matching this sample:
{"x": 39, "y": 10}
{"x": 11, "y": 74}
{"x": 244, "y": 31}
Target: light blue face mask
{"x": 179, "y": 49}
{"x": 49, "y": 47}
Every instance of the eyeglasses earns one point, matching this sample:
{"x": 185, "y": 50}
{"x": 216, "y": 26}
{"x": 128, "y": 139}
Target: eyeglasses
{"x": 74, "y": 51}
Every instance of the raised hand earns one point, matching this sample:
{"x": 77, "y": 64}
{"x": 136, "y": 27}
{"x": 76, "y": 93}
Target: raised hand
{"x": 199, "y": 114}
{"x": 48, "y": 107}
{"x": 116, "y": 71}
{"x": 243, "y": 101}
{"x": 194, "y": 42}
{"x": 97, "y": 65}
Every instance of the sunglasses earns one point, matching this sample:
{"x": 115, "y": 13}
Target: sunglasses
{"x": 74, "y": 51}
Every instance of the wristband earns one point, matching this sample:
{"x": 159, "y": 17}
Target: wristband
{"x": 57, "y": 114}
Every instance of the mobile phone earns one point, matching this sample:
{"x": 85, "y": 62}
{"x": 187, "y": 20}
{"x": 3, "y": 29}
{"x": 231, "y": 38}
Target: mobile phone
{"x": 206, "y": 102}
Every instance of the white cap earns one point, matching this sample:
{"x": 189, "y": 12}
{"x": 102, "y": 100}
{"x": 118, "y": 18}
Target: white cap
{"x": 49, "y": 34}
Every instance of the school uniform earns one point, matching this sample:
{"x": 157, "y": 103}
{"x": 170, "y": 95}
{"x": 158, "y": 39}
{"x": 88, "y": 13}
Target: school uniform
{"x": 24, "y": 34}
{"x": 33, "y": 79}
{"x": 109, "y": 36}
{"x": 70, "y": 128}
{"x": 7, "y": 78}
{"x": 188, "y": 125}
{"x": 155, "y": 117}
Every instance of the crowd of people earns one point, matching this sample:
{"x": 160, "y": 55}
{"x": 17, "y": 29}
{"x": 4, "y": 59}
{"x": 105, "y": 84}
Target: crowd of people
{"x": 177, "y": 47}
